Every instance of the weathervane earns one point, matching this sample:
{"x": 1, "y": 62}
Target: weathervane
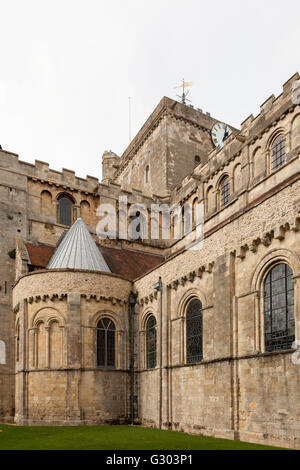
{"x": 184, "y": 95}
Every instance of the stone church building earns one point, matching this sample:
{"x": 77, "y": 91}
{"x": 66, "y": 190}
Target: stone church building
{"x": 159, "y": 331}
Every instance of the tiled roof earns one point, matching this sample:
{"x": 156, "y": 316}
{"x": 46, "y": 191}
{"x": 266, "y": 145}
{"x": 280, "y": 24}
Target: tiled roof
{"x": 39, "y": 255}
{"x": 130, "y": 264}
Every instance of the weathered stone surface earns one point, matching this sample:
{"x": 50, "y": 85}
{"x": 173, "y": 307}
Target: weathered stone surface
{"x": 48, "y": 322}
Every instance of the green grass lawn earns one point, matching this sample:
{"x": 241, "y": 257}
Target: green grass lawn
{"x": 110, "y": 438}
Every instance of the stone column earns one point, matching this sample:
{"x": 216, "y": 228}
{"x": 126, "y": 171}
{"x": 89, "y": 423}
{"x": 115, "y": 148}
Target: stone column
{"x": 21, "y": 385}
{"x": 182, "y": 341}
{"x": 47, "y": 330}
{"x": 74, "y": 357}
{"x": 119, "y": 358}
{"x": 31, "y": 347}
{"x": 297, "y": 308}
{"x": 257, "y": 342}
{"x": 142, "y": 349}
{"x": 62, "y": 330}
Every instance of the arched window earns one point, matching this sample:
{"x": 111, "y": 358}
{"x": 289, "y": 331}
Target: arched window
{"x": 106, "y": 331}
{"x": 65, "y": 213}
{"x": 151, "y": 342}
{"x": 278, "y": 152}
{"x": 197, "y": 160}
{"x": 194, "y": 332}
{"x": 147, "y": 174}
{"x": 279, "y": 317}
{"x": 224, "y": 191}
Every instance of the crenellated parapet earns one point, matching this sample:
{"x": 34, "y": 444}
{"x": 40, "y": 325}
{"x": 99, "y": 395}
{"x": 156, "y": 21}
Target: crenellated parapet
{"x": 40, "y": 171}
{"x": 247, "y": 154}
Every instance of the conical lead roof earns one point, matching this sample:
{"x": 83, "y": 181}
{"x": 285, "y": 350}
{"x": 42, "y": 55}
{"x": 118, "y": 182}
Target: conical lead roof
{"x": 77, "y": 250}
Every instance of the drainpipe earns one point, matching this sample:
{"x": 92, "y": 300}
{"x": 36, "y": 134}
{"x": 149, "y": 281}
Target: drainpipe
{"x": 132, "y": 301}
{"x": 159, "y": 287}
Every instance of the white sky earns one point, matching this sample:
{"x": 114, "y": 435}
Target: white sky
{"x": 67, "y": 68}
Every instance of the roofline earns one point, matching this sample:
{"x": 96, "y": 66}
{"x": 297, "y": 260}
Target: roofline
{"x": 166, "y": 104}
{"x": 69, "y": 270}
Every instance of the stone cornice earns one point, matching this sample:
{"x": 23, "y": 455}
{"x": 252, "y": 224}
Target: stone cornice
{"x": 181, "y": 281}
{"x": 69, "y": 270}
{"x": 53, "y": 297}
{"x": 63, "y": 186}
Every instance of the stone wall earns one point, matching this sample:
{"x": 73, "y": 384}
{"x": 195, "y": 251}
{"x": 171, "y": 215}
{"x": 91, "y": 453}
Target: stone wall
{"x": 58, "y": 380}
{"x": 13, "y": 222}
{"x": 239, "y": 390}
{"x": 168, "y": 143}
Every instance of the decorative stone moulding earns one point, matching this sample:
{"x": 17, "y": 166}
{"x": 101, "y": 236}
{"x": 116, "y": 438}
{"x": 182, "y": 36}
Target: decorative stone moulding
{"x": 16, "y": 308}
{"x": 139, "y": 144}
{"x": 52, "y": 297}
{"x": 189, "y": 121}
{"x": 190, "y": 277}
{"x": 149, "y": 298}
{"x": 278, "y": 233}
{"x": 270, "y": 125}
{"x": 61, "y": 186}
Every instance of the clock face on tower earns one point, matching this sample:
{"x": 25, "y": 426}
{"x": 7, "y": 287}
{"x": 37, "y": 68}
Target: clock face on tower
{"x": 219, "y": 134}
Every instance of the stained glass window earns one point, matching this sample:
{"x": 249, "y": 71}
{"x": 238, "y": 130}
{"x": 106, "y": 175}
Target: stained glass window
{"x": 279, "y": 308}
{"x": 151, "y": 342}
{"x": 65, "y": 210}
{"x": 278, "y": 153}
{"x": 194, "y": 331}
{"x": 106, "y": 343}
{"x": 225, "y": 191}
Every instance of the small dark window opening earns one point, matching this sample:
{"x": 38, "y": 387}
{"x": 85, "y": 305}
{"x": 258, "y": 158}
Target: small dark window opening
{"x": 106, "y": 343}
{"x": 194, "y": 332}
{"x": 151, "y": 342}
{"x": 65, "y": 211}
{"x": 137, "y": 229}
{"x": 279, "y": 320}
{"x": 278, "y": 153}
{"x": 147, "y": 173}
{"x": 197, "y": 160}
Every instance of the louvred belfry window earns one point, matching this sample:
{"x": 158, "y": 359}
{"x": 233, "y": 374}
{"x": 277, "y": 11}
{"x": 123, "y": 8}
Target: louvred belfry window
{"x": 194, "y": 332}
{"x": 106, "y": 343}
{"x": 279, "y": 317}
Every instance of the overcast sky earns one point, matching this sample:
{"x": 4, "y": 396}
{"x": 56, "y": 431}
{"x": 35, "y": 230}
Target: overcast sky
{"x": 67, "y": 68}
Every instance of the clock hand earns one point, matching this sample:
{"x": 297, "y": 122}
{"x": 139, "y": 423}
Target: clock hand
{"x": 226, "y": 133}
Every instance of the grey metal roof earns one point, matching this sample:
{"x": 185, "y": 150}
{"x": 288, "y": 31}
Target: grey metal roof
{"x": 78, "y": 250}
